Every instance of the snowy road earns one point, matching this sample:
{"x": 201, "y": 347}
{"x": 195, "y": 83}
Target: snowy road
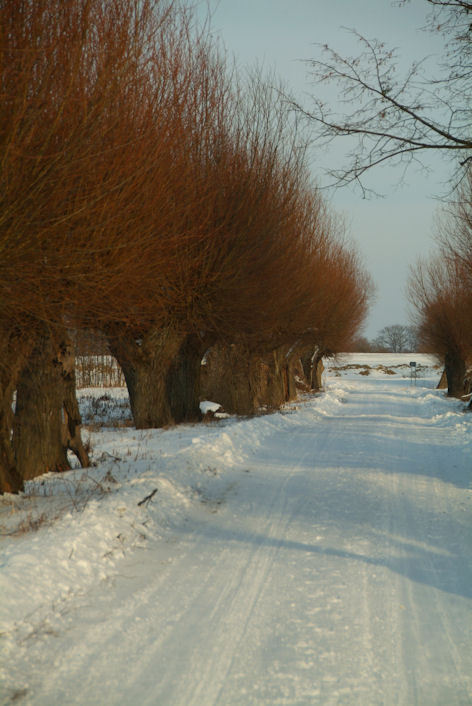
{"x": 332, "y": 564}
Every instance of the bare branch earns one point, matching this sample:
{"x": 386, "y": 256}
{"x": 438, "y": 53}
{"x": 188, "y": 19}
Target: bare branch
{"x": 397, "y": 118}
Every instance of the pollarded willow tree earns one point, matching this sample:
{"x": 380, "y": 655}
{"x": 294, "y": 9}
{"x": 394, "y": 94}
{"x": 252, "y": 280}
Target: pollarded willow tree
{"x": 160, "y": 349}
{"x": 76, "y": 154}
{"x": 340, "y": 310}
{"x": 242, "y": 248}
{"x": 443, "y": 302}
{"x": 441, "y": 291}
{"x": 329, "y": 298}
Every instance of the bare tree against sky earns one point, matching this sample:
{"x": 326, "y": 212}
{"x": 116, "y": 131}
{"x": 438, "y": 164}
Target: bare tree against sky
{"x": 391, "y": 117}
{"x": 396, "y": 338}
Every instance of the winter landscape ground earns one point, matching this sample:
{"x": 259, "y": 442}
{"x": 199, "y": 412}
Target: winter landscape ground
{"x": 318, "y": 555}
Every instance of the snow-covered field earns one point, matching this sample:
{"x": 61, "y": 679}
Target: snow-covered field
{"x": 319, "y": 555}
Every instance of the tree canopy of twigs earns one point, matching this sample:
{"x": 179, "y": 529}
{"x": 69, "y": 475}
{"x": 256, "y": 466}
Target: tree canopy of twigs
{"x": 444, "y": 309}
{"x": 74, "y": 153}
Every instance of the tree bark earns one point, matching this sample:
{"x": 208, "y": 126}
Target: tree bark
{"x": 244, "y": 381}
{"x": 13, "y": 351}
{"x": 317, "y": 377}
{"x": 455, "y": 368}
{"x": 143, "y": 361}
{"x": 72, "y": 421}
{"x": 228, "y": 378}
{"x": 280, "y": 386}
{"x": 10, "y": 479}
{"x": 313, "y": 368}
{"x": 442, "y": 384}
{"x": 47, "y": 420}
{"x": 184, "y": 379}
{"x": 162, "y": 373}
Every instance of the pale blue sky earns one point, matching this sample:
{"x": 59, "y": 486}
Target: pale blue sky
{"x": 393, "y": 232}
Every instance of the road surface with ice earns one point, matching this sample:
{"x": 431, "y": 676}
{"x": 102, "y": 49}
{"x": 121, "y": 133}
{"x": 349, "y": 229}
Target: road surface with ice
{"x": 321, "y": 555}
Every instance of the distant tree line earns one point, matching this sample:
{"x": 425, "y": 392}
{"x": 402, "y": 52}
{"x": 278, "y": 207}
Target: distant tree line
{"x": 396, "y": 338}
{"x": 149, "y": 194}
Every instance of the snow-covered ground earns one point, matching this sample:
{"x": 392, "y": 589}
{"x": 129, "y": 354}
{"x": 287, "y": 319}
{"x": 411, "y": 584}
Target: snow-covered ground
{"x": 319, "y": 555}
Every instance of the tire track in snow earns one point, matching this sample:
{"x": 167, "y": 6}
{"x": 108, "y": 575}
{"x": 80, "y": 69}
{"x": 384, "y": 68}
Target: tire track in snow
{"x": 425, "y": 661}
{"x": 238, "y": 601}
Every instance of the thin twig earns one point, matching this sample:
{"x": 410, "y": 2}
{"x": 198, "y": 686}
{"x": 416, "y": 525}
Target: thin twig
{"x": 148, "y": 497}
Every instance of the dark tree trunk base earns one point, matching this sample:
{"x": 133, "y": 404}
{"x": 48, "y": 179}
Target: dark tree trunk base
{"x": 183, "y": 380}
{"x": 162, "y": 373}
{"x": 47, "y": 420}
{"x": 10, "y": 479}
{"x": 313, "y": 368}
{"x": 244, "y": 382}
{"x": 455, "y": 369}
{"x": 442, "y": 384}
{"x": 14, "y": 349}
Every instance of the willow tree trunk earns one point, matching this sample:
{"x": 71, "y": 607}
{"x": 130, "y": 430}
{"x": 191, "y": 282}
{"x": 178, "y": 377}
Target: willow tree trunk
{"x": 13, "y": 351}
{"x": 232, "y": 377}
{"x": 183, "y": 380}
{"x": 162, "y": 373}
{"x": 442, "y": 384}
{"x": 10, "y": 479}
{"x": 72, "y": 420}
{"x": 280, "y": 383}
{"x": 47, "y": 420}
{"x": 317, "y": 378}
{"x": 455, "y": 368}
{"x": 245, "y": 381}
{"x": 313, "y": 368}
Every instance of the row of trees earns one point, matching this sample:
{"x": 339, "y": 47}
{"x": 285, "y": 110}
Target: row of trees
{"x": 441, "y": 290}
{"x": 145, "y": 192}
{"x": 396, "y": 338}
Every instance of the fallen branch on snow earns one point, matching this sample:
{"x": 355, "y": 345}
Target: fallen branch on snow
{"x": 148, "y": 497}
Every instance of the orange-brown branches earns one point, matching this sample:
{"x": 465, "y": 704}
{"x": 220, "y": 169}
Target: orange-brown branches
{"x": 443, "y": 304}
{"x": 142, "y": 185}
{"x": 77, "y": 147}
{"x": 441, "y": 289}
